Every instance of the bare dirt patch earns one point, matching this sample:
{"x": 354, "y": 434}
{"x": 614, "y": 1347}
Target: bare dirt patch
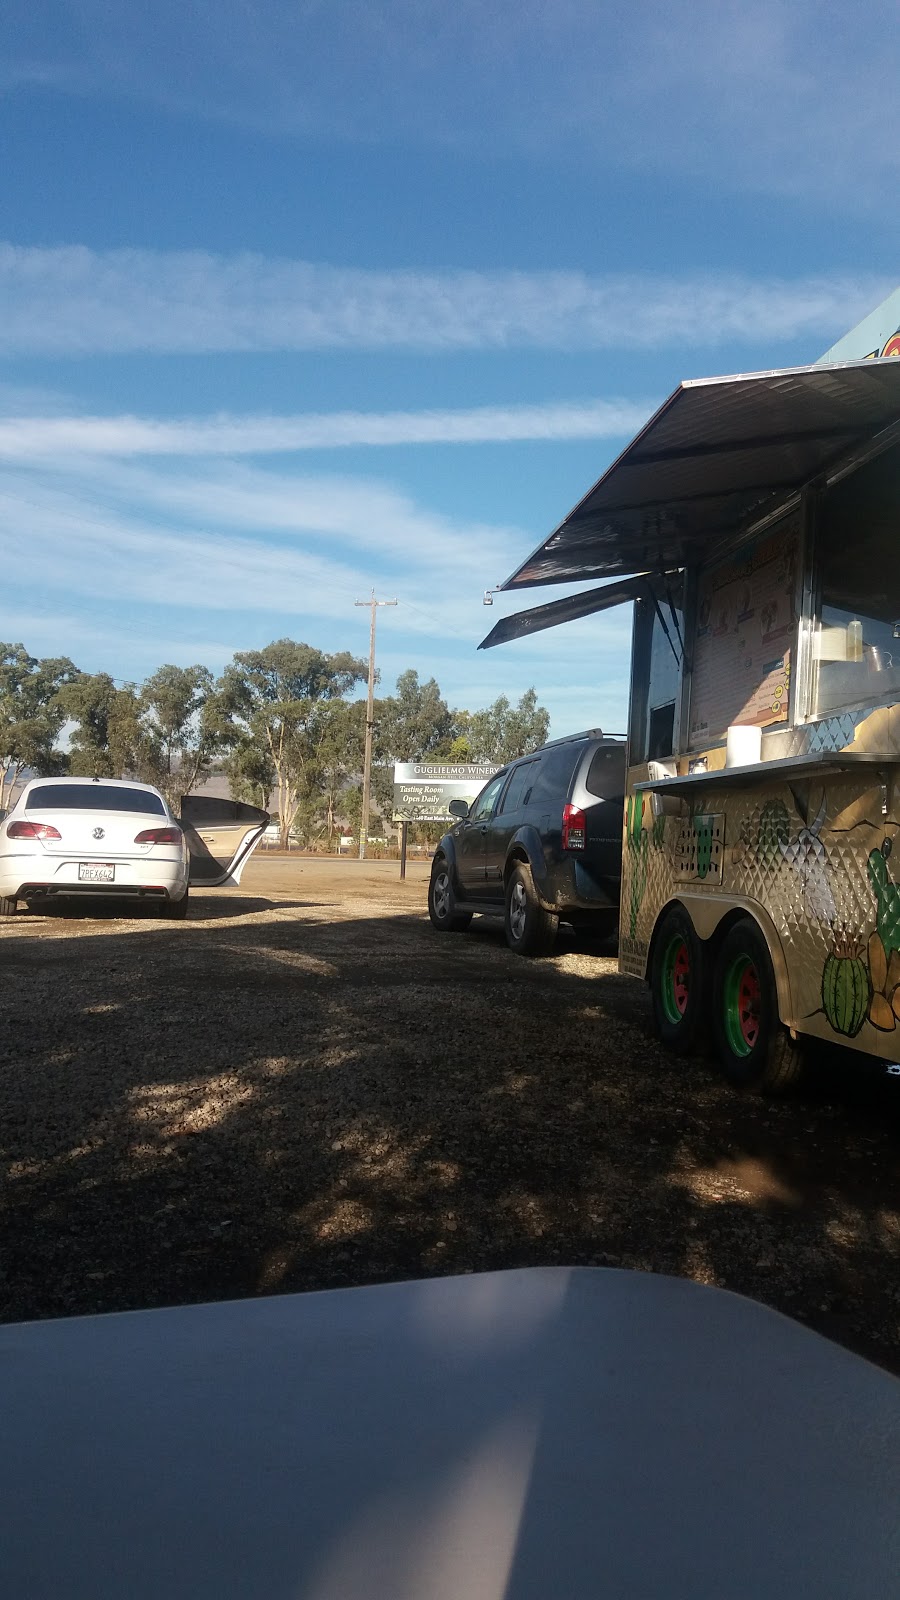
{"x": 303, "y": 1086}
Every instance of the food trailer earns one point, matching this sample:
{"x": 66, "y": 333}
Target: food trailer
{"x": 755, "y": 524}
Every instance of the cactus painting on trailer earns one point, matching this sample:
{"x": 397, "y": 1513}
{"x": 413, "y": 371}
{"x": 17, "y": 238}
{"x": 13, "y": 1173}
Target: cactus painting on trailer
{"x": 859, "y": 987}
{"x": 845, "y": 988}
{"x": 884, "y": 945}
{"x": 637, "y": 851}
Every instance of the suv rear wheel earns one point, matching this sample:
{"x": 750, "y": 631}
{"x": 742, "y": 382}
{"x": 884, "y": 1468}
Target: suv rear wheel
{"x": 442, "y": 901}
{"x": 530, "y": 930}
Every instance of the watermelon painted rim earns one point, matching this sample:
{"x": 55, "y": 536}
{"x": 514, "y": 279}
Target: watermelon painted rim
{"x": 676, "y": 979}
{"x": 742, "y": 1000}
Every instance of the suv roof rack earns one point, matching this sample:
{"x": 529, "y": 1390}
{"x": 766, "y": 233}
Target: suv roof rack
{"x": 587, "y": 733}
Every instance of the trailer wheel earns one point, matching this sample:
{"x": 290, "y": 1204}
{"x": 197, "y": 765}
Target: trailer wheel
{"x": 754, "y": 1050}
{"x": 677, "y": 982}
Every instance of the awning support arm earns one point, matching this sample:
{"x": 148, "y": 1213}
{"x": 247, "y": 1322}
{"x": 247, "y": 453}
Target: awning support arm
{"x": 674, "y": 615}
{"x": 662, "y": 623}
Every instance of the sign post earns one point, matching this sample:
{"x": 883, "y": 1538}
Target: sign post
{"x": 423, "y": 791}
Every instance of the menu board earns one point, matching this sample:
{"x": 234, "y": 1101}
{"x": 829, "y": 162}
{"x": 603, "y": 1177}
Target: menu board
{"x": 746, "y": 622}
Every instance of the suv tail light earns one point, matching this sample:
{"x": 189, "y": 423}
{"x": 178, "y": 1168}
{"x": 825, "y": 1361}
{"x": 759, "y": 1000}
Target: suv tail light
{"x": 574, "y": 828}
{"x": 32, "y": 830}
{"x": 158, "y": 836}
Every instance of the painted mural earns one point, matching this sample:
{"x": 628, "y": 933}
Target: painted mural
{"x": 639, "y": 841}
{"x": 884, "y": 943}
{"x": 861, "y": 978}
{"x": 892, "y": 347}
{"x": 818, "y": 858}
{"x": 877, "y": 335}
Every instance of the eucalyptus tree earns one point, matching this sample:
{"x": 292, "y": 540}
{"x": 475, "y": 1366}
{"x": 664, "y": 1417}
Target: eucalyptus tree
{"x": 107, "y": 739}
{"x": 31, "y": 714}
{"x": 272, "y": 700}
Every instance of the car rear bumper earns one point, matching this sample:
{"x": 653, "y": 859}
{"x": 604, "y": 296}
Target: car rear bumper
{"x": 32, "y": 877}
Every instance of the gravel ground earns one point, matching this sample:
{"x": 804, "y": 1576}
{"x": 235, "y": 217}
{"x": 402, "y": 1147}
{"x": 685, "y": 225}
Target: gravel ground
{"x": 304, "y": 1086}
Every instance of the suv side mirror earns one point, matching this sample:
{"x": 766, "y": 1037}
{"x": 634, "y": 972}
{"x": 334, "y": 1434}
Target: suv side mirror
{"x": 458, "y": 809}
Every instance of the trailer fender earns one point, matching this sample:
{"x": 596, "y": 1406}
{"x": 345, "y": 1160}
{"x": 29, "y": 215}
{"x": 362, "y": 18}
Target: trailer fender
{"x": 712, "y": 915}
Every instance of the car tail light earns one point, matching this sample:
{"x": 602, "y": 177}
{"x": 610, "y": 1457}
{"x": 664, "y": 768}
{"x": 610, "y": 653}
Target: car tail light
{"x": 574, "y": 828}
{"x": 158, "y": 836}
{"x": 31, "y": 830}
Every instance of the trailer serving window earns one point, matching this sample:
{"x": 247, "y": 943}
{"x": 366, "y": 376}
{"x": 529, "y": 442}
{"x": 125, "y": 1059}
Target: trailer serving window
{"x": 745, "y": 636}
{"x": 856, "y": 637}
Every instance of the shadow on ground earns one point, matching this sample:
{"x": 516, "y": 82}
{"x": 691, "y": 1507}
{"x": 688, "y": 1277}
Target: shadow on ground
{"x": 229, "y": 1109}
{"x": 202, "y": 908}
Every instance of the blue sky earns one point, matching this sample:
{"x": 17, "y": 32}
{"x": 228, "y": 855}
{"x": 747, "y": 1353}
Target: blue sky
{"x": 303, "y": 299}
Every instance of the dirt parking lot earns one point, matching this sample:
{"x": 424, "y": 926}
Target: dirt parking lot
{"x": 303, "y": 1086}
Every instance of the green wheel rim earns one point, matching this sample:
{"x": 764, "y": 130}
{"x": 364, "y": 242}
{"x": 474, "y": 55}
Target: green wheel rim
{"x": 742, "y": 1000}
{"x": 676, "y": 979}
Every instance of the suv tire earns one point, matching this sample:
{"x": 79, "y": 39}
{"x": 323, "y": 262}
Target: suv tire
{"x": 530, "y": 930}
{"x": 442, "y": 900}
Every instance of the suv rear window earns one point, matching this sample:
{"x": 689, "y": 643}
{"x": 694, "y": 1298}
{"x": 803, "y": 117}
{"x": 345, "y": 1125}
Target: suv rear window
{"x": 606, "y": 773}
{"x": 93, "y": 797}
{"x": 557, "y": 766}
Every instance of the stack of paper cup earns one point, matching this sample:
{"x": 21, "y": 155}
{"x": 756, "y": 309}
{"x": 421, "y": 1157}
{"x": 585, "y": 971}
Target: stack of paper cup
{"x": 743, "y": 745}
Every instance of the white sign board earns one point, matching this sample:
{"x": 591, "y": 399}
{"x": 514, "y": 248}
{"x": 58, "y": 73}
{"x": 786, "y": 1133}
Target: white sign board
{"x": 423, "y": 789}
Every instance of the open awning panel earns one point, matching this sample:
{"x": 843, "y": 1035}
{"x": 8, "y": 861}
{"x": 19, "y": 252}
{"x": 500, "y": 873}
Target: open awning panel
{"x": 585, "y": 604}
{"x": 718, "y": 451}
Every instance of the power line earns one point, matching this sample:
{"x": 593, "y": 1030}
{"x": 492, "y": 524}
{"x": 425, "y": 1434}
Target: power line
{"x": 438, "y": 622}
{"x": 373, "y": 605}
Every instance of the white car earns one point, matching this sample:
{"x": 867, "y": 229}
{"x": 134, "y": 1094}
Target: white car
{"x": 68, "y": 837}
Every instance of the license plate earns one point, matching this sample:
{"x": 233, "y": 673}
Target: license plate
{"x": 96, "y": 871}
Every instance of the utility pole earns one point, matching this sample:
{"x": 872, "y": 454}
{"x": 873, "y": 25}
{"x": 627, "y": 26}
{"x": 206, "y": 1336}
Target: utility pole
{"x": 373, "y": 605}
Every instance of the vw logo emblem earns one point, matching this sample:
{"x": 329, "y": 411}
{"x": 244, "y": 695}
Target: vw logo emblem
{"x": 98, "y": 833}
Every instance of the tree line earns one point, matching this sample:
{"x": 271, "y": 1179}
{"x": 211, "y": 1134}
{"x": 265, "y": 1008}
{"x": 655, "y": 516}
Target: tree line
{"x": 282, "y": 723}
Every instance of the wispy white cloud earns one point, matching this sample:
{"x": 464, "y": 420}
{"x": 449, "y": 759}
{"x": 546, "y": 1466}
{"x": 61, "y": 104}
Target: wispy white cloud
{"x": 86, "y": 550}
{"x": 75, "y": 301}
{"x": 583, "y": 680}
{"x": 27, "y": 437}
{"x": 316, "y": 513}
{"x": 18, "y": 400}
{"x": 140, "y": 562}
{"x": 574, "y": 700}
{"x": 795, "y": 96}
{"x": 241, "y": 540}
{"x": 97, "y": 647}
{"x": 231, "y": 551}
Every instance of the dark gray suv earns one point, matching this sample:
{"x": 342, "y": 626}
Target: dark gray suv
{"x": 542, "y": 844}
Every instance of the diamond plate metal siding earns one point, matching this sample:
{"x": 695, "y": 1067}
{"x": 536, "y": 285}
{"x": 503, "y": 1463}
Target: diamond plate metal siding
{"x": 815, "y": 854}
